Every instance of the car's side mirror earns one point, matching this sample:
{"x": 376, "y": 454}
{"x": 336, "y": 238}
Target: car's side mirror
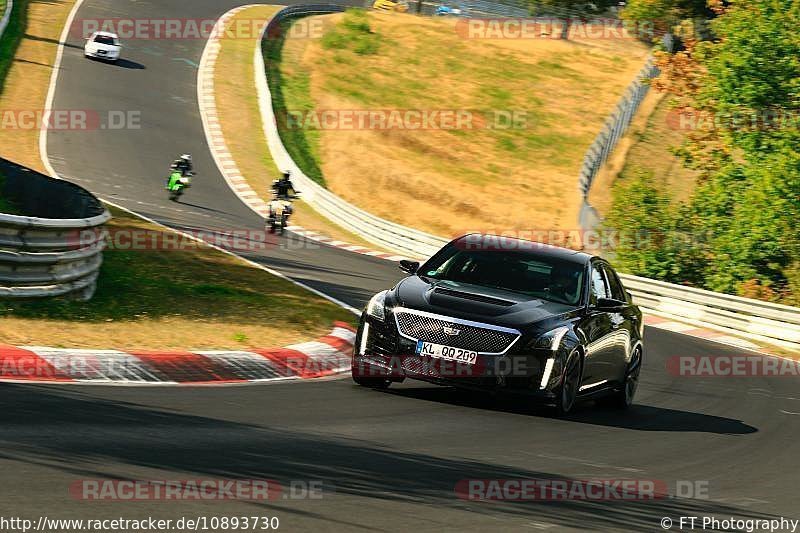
{"x": 608, "y": 304}
{"x": 410, "y": 267}
{"x": 630, "y": 296}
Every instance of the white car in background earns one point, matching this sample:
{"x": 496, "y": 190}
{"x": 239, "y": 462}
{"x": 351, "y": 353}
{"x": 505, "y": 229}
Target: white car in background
{"x": 103, "y": 45}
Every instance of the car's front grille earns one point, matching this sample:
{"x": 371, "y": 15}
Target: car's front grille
{"x": 483, "y": 338}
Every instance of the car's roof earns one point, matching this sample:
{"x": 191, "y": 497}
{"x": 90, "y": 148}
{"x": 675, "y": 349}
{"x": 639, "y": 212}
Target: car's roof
{"x": 106, "y": 34}
{"x": 504, "y": 243}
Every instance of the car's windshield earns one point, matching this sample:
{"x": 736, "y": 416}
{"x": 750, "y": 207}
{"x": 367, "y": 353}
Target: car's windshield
{"x": 104, "y": 39}
{"x": 525, "y": 272}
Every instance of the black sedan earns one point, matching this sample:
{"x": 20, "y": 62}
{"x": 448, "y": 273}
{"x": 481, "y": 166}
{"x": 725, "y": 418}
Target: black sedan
{"x": 506, "y": 315}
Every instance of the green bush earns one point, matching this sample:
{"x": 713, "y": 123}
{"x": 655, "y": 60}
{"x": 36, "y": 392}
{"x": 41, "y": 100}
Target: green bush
{"x": 644, "y": 223}
{"x": 353, "y": 33}
{"x": 739, "y": 232}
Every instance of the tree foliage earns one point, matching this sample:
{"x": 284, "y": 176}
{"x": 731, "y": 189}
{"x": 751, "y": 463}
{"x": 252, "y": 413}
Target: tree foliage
{"x": 744, "y": 217}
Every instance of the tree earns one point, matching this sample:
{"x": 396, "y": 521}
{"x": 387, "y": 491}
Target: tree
{"x": 748, "y": 200}
{"x": 569, "y": 11}
{"x": 664, "y": 15}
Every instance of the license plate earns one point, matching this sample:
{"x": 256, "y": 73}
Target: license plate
{"x": 438, "y": 351}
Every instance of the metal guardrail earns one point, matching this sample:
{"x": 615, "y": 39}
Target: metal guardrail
{"x": 615, "y": 127}
{"x": 54, "y": 249}
{"x": 391, "y": 236}
{"x": 762, "y": 321}
{"x": 6, "y": 16}
{"x": 754, "y": 319}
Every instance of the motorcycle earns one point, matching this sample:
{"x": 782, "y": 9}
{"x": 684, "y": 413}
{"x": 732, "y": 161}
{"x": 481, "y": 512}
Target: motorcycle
{"x": 279, "y": 212}
{"x": 177, "y": 182}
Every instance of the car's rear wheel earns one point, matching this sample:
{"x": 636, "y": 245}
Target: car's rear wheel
{"x": 570, "y": 383}
{"x": 623, "y": 398}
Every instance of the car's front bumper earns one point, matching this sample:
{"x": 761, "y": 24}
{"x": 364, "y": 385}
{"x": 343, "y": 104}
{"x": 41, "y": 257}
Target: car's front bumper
{"x": 380, "y": 351}
{"x": 108, "y": 56}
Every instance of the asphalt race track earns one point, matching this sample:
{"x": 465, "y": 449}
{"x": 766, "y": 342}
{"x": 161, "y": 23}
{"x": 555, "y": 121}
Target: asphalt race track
{"x": 388, "y": 460}
{"x": 156, "y": 79}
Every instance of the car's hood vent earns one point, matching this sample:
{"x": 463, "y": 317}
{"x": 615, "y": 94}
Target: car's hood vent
{"x": 474, "y": 297}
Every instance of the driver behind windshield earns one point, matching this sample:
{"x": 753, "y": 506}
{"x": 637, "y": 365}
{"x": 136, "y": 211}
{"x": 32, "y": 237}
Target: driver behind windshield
{"x": 534, "y": 275}
{"x": 564, "y": 284}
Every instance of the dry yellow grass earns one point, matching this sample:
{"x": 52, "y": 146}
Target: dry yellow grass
{"x": 29, "y": 76}
{"x": 448, "y": 182}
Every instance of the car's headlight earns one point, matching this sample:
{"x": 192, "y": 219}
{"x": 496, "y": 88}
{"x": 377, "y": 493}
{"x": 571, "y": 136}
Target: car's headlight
{"x": 375, "y": 307}
{"x": 552, "y": 339}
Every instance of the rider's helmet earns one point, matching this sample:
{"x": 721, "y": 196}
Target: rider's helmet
{"x": 186, "y": 157}
{"x": 287, "y": 174}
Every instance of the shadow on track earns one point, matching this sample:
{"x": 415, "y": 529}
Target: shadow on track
{"x": 121, "y": 63}
{"x": 82, "y": 435}
{"x": 639, "y": 417}
{"x": 127, "y": 63}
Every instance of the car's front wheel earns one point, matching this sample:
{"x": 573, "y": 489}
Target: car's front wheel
{"x": 567, "y": 393}
{"x": 623, "y": 397}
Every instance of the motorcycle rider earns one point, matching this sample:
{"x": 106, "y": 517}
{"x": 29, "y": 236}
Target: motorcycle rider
{"x": 184, "y": 164}
{"x": 281, "y": 188}
{"x": 282, "y": 192}
{"x": 181, "y": 168}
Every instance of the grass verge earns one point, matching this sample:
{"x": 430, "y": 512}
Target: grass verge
{"x": 11, "y": 36}
{"x": 648, "y": 147}
{"x": 197, "y": 297}
{"x": 484, "y": 176}
{"x": 292, "y": 85}
{"x": 6, "y": 205}
{"x": 9, "y": 41}
{"x": 26, "y": 81}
